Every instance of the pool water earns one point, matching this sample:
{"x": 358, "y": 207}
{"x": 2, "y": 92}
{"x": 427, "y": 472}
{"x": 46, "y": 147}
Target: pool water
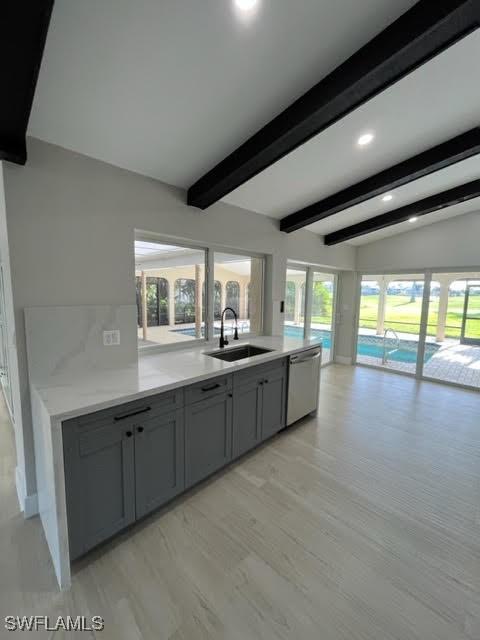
{"x": 370, "y": 345}
{"x": 367, "y": 345}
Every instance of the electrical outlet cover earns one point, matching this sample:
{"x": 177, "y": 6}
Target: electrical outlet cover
{"x": 111, "y": 338}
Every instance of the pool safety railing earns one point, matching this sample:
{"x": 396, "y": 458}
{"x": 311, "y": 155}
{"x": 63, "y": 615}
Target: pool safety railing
{"x": 397, "y": 347}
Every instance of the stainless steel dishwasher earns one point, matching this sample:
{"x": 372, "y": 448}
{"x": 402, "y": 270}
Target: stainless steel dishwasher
{"x": 303, "y": 384}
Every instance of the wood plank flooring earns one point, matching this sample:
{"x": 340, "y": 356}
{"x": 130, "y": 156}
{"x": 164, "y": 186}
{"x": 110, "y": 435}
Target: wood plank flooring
{"x": 363, "y": 523}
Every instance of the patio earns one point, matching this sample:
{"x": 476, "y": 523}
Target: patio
{"x": 453, "y": 362}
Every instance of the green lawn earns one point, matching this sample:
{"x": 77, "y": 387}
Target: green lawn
{"x": 403, "y": 315}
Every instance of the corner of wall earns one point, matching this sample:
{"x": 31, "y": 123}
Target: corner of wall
{"x": 28, "y": 504}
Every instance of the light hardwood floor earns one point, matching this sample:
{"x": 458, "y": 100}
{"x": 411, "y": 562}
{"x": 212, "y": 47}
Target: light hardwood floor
{"x": 363, "y": 523}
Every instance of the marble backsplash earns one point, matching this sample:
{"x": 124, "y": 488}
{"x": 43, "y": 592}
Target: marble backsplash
{"x": 67, "y": 340}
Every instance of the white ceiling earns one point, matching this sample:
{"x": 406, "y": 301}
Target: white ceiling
{"x": 415, "y": 114}
{"x": 437, "y": 182}
{"x": 430, "y": 218}
{"x": 169, "y": 88}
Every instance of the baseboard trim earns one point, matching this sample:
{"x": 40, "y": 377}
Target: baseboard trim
{"x": 28, "y": 504}
{"x": 343, "y": 360}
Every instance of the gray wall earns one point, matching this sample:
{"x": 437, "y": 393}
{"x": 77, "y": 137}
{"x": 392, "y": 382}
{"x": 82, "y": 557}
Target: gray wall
{"x": 451, "y": 243}
{"x": 71, "y": 222}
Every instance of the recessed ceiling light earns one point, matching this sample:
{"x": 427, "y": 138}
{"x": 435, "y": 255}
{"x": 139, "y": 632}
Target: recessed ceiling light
{"x": 245, "y": 5}
{"x": 365, "y": 139}
{"x": 413, "y": 219}
{"x": 387, "y": 198}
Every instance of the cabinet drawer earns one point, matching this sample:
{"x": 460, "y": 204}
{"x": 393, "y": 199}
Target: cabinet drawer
{"x": 258, "y": 373}
{"x": 208, "y": 389}
{"x": 130, "y": 412}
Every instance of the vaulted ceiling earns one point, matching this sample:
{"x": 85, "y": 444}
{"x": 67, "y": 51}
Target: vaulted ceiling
{"x": 169, "y": 89}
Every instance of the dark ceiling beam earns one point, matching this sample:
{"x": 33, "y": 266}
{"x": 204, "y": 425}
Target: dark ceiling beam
{"x": 437, "y": 202}
{"x": 455, "y": 150}
{"x": 24, "y": 28}
{"x": 421, "y": 33}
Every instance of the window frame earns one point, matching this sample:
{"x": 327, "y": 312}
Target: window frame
{"x": 209, "y": 281}
{"x": 310, "y": 269}
{"x": 248, "y": 254}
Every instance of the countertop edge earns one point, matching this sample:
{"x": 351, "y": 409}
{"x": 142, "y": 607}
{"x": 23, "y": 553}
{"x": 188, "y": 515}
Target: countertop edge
{"x": 229, "y": 368}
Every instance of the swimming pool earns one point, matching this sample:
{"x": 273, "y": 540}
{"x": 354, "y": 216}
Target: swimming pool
{"x": 370, "y": 345}
{"x": 367, "y": 345}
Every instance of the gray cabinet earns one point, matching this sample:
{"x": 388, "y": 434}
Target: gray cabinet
{"x": 274, "y": 400}
{"x": 159, "y": 461}
{"x": 120, "y": 464}
{"x": 124, "y": 462}
{"x": 208, "y": 436}
{"x": 247, "y": 416}
{"x": 99, "y": 476}
{"x": 259, "y": 404}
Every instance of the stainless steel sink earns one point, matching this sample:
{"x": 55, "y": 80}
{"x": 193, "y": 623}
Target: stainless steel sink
{"x": 238, "y": 353}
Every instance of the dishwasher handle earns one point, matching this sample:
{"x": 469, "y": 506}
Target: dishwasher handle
{"x": 299, "y": 360}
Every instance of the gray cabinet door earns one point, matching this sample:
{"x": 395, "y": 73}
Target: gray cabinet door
{"x": 274, "y": 402}
{"x": 247, "y": 417}
{"x": 99, "y": 476}
{"x": 159, "y": 461}
{"x": 208, "y": 437}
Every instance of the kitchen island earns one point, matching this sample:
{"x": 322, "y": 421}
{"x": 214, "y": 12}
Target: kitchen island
{"x": 112, "y": 445}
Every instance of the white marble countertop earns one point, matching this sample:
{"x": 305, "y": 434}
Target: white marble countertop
{"x": 72, "y": 395}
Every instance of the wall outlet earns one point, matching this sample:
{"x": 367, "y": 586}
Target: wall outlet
{"x": 111, "y": 338}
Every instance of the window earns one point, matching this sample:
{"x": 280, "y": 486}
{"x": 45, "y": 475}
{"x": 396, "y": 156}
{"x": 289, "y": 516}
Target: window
{"x": 290, "y": 301}
{"x": 295, "y": 302}
{"x": 157, "y": 301}
{"x": 217, "y": 300}
{"x": 177, "y": 302}
{"x": 185, "y": 301}
{"x": 240, "y": 280}
{"x": 233, "y": 296}
{"x": 168, "y": 281}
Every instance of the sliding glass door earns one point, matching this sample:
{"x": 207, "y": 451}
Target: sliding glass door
{"x": 452, "y": 352}
{"x": 310, "y": 306}
{"x": 425, "y": 324}
{"x": 321, "y": 312}
{"x": 390, "y": 321}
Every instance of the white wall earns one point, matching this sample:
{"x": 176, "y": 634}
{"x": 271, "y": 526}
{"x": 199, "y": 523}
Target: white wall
{"x": 20, "y": 443}
{"x": 346, "y": 316}
{"x": 71, "y": 223}
{"x": 451, "y": 243}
